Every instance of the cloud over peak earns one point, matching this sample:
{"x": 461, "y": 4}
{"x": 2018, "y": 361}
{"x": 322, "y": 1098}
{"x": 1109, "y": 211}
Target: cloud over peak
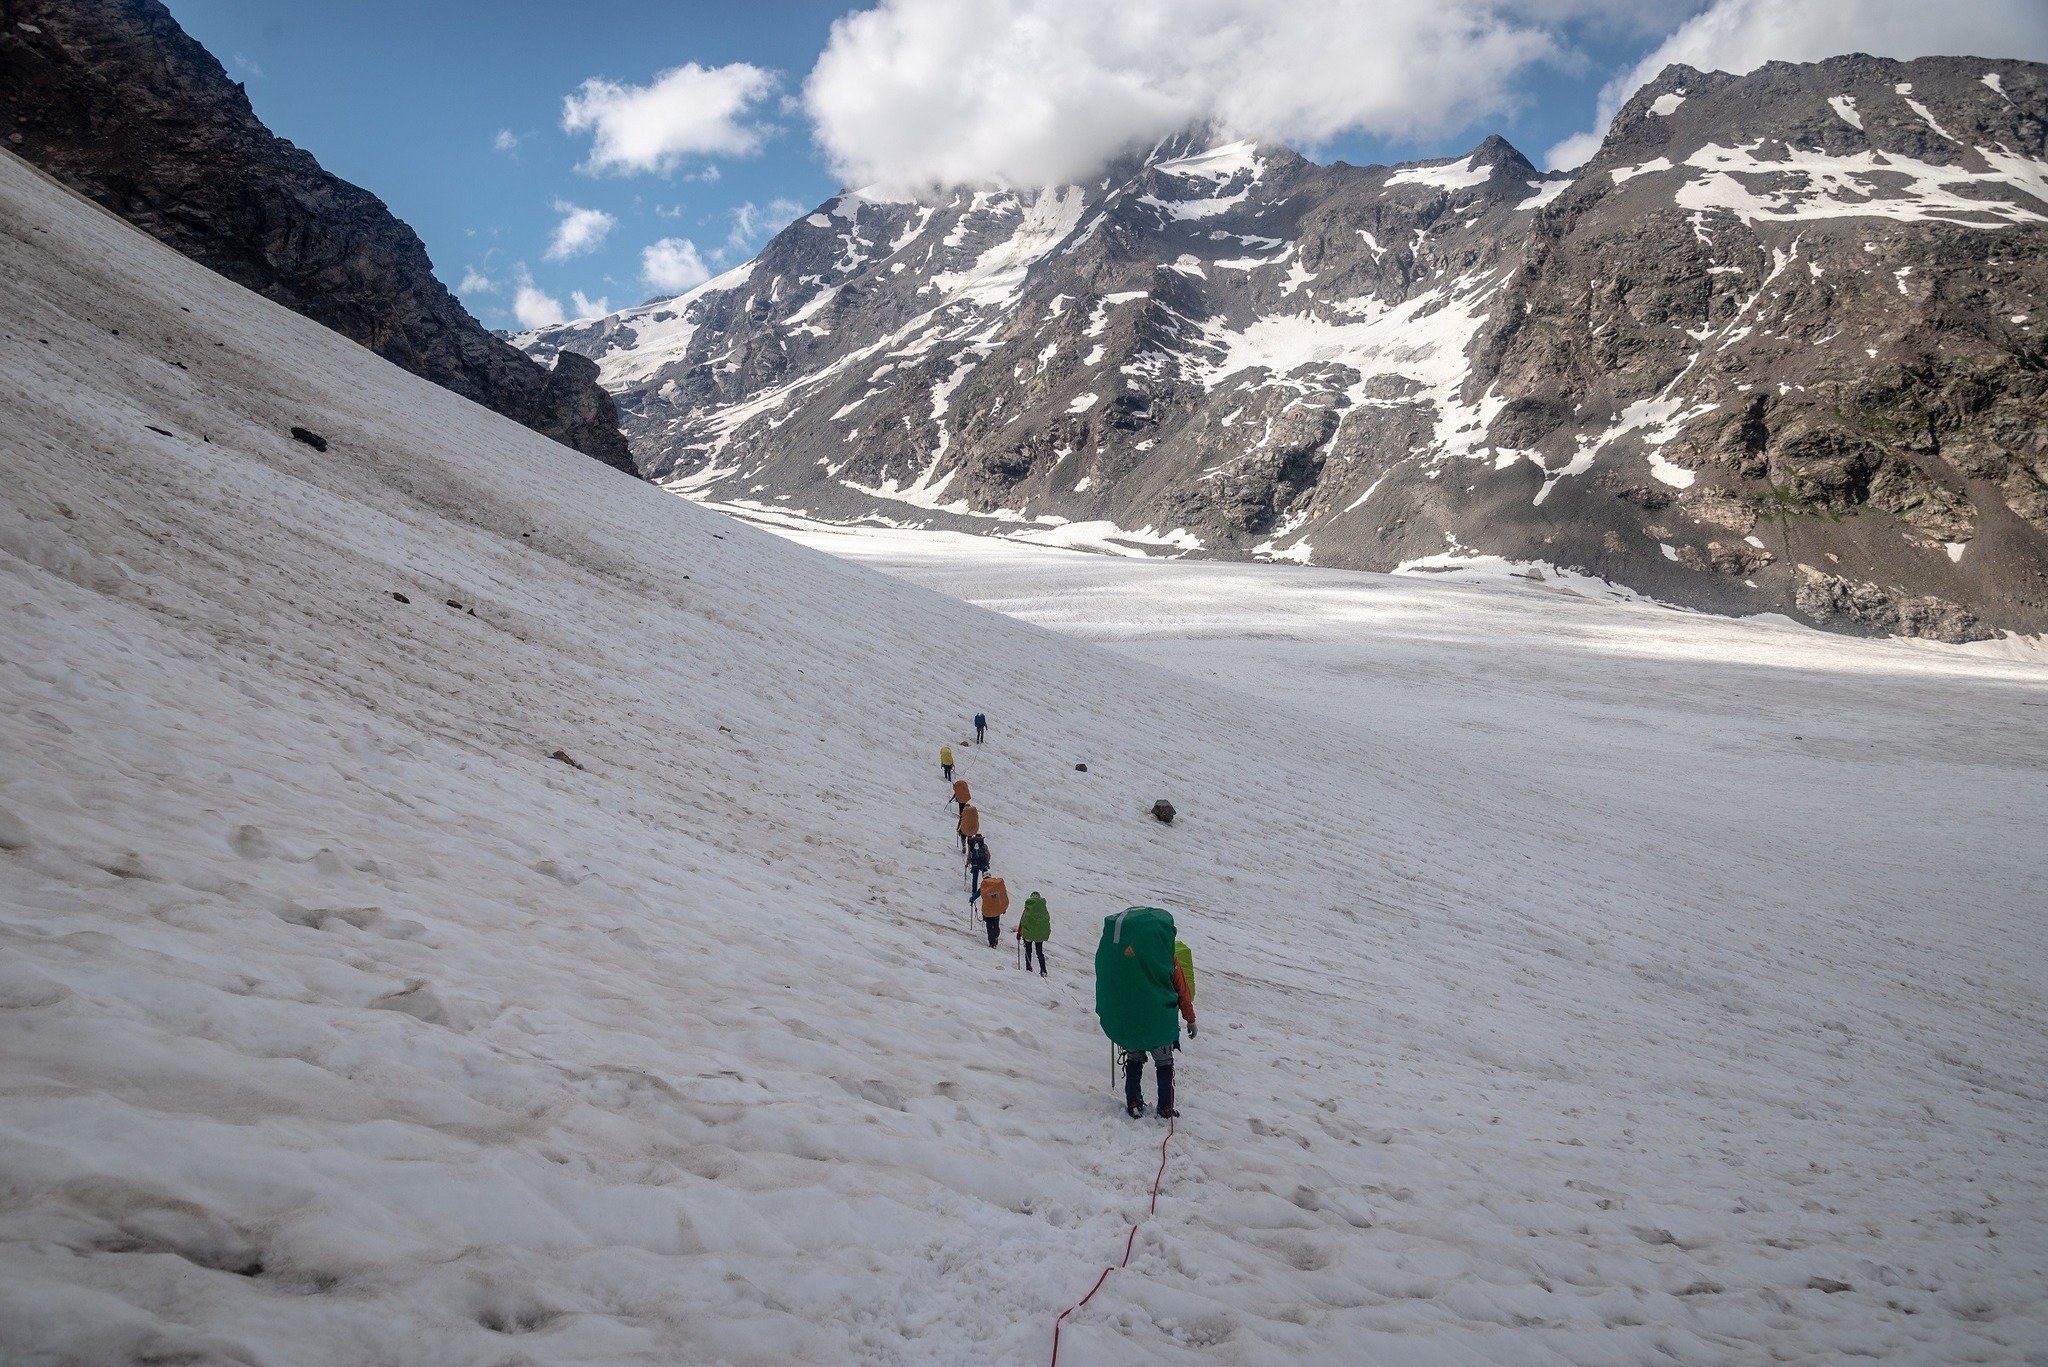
{"x": 1739, "y": 36}
{"x": 915, "y": 93}
{"x": 687, "y": 111}
{"x": 673, "y": 265}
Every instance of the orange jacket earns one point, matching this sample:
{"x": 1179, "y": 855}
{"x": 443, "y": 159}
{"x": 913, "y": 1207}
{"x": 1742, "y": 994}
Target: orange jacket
{"x": 1180, "y": 984}
{"x": 995, "y": 899}
{"x": 970, "y": 821}
{"x": 960, "y": 793}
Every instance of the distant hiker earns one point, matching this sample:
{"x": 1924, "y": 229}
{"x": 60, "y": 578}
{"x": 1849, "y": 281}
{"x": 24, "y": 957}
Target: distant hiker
{"x": 995, "y": 900}
{"x": 980, "y": 727}
{"x": 961, "y": 797}
{"x": 1034, "y": 929}
{"x": 970, "y": 824}
{"x": 946, "y": 760}
{"x": 1138, "y": 987}
{"x": 977, "y": 864}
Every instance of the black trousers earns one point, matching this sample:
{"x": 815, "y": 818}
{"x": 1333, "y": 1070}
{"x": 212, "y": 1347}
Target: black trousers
{"x": 1134, "y": 1077}
{"x": 994, "y": 925}
{"x": 1039, "y": 946}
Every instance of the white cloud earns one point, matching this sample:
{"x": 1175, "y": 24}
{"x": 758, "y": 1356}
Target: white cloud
{"x": 916, "y": 93}
{"x": 751, "y": 224}
{"x": 687, "y": 111}
{"x": 1741, "y": 35}
{"x": 1578, "y": 149}
{"x": 535, "y": 309}
{"x": 586, "y": 307}
{"x": 506, "y": 140}
{"x": 475, "y": 281}
{"x": 673, "y": 265}
{"x": 580, "y": 231}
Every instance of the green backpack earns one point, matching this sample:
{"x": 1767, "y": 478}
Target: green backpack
{"x": 1036, "y": 923}
{"x": 1134, "y": 996}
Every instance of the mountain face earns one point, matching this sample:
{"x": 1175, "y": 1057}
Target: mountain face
{"x": 118, "y": 102}
{"x": 1778, "y": 347}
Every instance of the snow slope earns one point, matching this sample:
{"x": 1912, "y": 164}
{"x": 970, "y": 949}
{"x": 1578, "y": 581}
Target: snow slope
{"x": 340, "y": 1024}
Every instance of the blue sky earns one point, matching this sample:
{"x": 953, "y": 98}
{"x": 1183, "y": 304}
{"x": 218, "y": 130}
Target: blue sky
{"x": 453, "y": 111}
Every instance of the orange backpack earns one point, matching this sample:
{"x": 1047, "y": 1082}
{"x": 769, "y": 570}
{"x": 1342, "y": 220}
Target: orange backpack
{"x": 995, "y": 897}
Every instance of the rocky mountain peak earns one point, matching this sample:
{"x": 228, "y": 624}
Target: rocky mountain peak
{"x": 1775, "y": 348}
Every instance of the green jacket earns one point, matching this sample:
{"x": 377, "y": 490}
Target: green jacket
{"x": 1036, "y": 924}
{"x": 1134, "y": 995}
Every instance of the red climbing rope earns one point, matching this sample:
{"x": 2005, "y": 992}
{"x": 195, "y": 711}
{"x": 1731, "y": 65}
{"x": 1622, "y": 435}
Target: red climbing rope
{"x": 1130, "y": 1241}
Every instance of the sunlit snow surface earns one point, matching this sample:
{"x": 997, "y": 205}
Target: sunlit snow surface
{"x": 1580, "y": 982}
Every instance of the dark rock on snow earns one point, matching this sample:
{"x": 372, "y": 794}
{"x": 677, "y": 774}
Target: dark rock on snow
{"x": 1162, "y": 811}
{"x": 310, "y": 437}
{"x": 114, "y": 99}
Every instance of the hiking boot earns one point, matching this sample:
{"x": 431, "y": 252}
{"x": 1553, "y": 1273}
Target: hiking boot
{"x": 1135, "y": 1109}
{"x": 1166, "y": 1113}
{"x": 1041, "y": 973}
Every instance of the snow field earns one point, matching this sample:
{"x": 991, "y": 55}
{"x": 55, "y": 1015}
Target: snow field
{"x": 343, "y": 1025}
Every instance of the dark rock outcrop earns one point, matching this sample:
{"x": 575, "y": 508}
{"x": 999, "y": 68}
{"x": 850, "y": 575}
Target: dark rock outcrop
{"x": 118, "y": 102}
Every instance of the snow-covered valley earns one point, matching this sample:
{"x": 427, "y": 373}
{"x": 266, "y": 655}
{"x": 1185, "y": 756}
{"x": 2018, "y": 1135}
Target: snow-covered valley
{"x": 1580, "y": 982}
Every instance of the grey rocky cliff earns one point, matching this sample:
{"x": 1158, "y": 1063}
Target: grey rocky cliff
{"x": 117, "y": 101}
{"x": 1777, "y": 348}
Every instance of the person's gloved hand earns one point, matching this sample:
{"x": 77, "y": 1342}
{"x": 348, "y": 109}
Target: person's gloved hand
{"x": 1191, "y": 1030}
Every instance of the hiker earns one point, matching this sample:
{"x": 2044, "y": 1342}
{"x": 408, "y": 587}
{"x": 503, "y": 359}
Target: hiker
{"x": 970, "y": 824}
{"x": 995, "y": 900}
{"x": 946, "y": 761}
{"x": 977, "y": 864}
{"x": 1034, "y": 928}
{"x": 980, "y": 727}
{"x": 961, "y": 797}
{"x": 1138, "y": 987}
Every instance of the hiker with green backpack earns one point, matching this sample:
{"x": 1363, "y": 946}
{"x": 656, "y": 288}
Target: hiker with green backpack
{"x": 1033, "y": 930}
{"x": 1143, "y": 975}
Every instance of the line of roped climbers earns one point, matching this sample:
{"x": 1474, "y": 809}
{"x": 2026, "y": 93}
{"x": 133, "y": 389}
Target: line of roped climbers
{"x": 1144, "y": 975}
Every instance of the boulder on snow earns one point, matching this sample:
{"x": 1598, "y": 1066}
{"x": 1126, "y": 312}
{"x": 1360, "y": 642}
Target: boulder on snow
{"x": 310, "y": 437}
{"x": 1080, "y": 768}
{"x": 1162, "y": 812}
{"x": 563, "y": 755}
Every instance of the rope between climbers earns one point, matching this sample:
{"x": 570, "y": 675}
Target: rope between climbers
{"x": 1130, "y": 1242}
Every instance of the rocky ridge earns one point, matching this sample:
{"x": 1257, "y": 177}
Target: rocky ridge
{"x": 114, "y": 99}
{"x": 1776, "y": 348}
